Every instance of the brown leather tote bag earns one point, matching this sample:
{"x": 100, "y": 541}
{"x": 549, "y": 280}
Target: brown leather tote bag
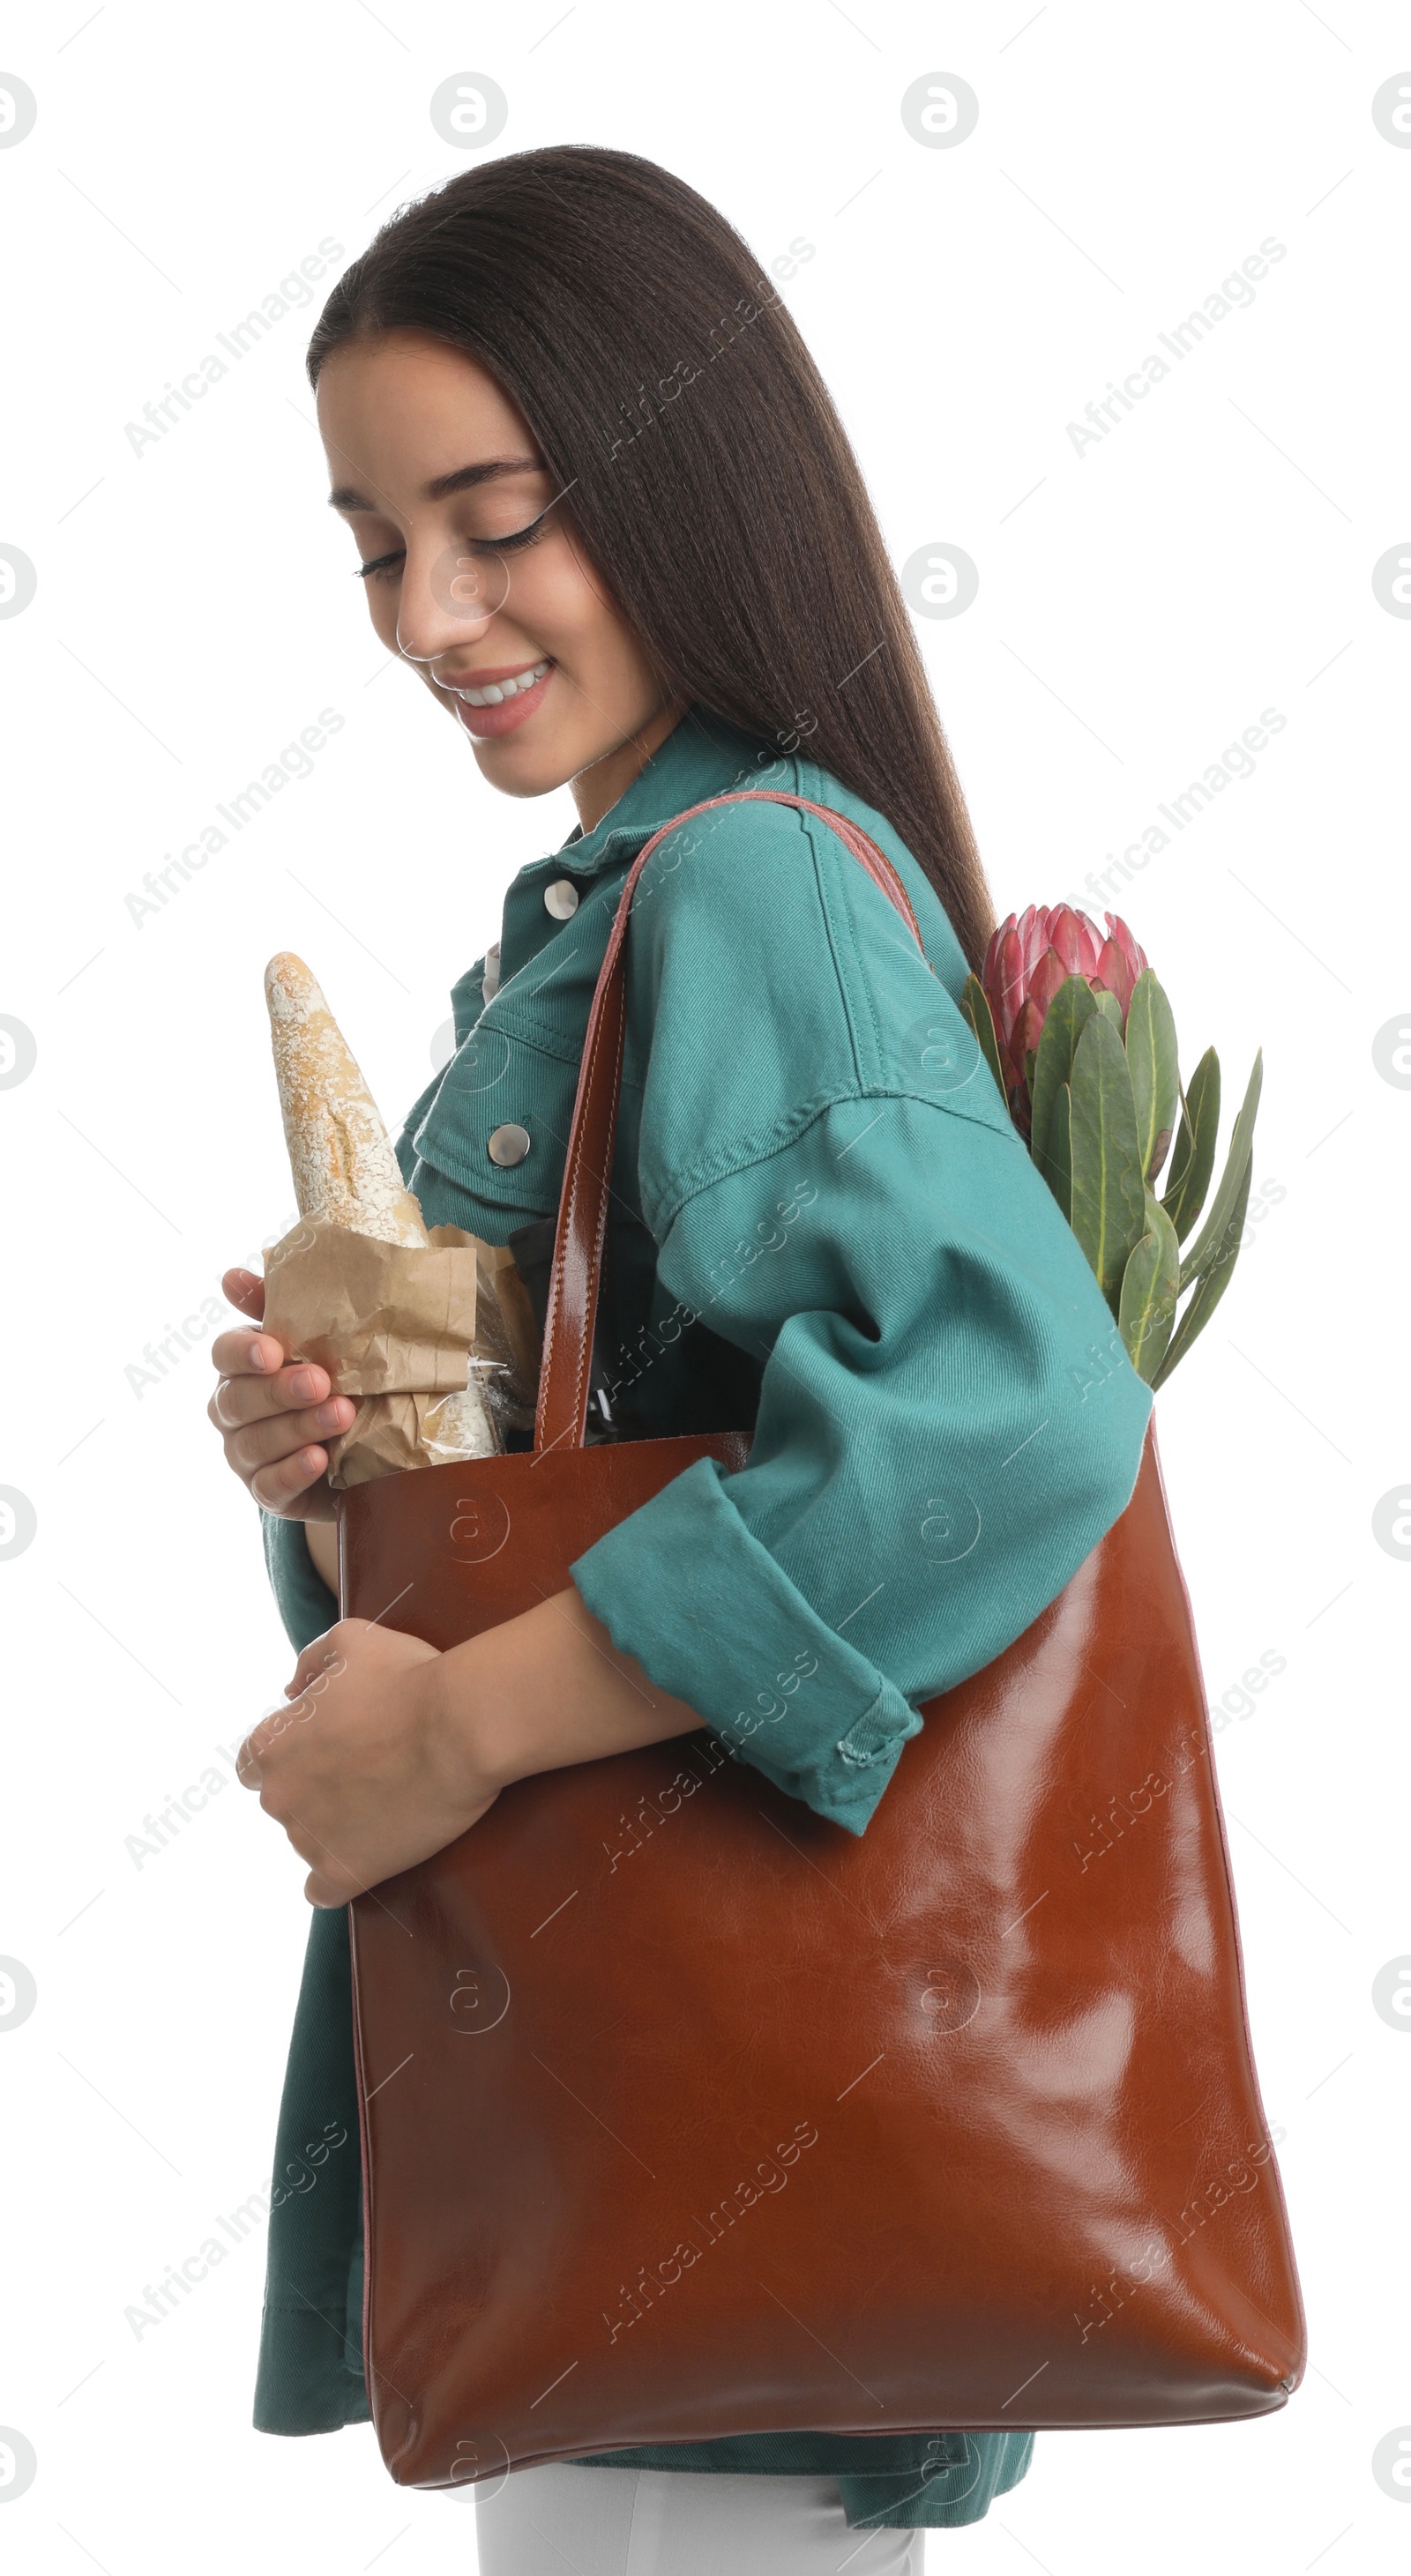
{"x": 685, "y": 2112}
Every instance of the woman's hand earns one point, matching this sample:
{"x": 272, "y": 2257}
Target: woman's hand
{"x": 390, "y": 1750}
{"x": 272, "y": 1416}
{"x": 364, "y": 1769}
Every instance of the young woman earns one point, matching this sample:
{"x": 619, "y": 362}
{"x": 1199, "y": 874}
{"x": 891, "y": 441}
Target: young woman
{"x": 606, "y": 513}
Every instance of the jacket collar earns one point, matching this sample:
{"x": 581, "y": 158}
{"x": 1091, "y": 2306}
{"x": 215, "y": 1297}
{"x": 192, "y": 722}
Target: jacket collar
{"x": 701, "y": 757}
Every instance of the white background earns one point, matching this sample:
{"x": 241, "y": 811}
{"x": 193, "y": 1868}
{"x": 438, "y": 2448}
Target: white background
{"x": 1139, "y": 605}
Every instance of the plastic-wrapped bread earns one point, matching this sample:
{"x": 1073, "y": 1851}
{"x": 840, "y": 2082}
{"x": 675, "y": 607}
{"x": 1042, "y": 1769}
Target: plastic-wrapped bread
{"x": 347, "y": 1176}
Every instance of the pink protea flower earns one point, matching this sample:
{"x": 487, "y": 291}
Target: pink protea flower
{"x": 1031, "y": 954}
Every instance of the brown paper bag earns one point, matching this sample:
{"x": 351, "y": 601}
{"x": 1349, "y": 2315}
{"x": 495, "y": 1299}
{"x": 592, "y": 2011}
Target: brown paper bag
{"x": 400, "y": 1330}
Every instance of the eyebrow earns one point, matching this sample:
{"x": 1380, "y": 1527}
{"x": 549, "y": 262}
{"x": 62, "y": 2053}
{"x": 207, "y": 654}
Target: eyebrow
{"x": 463, "y": 479}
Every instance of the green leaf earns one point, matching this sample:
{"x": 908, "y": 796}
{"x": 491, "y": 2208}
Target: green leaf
{"x": 975, "y": 1002}
{"x": 1146, "y": 1309}
{"x": 1068, "y": 1013}
{"x": 1108, "y": 1213}
{"x": 1058, "y": 1160}
{"x": 1214, "y": 1281}
{"x": 1234, "y": 1176}
{"x": 1193, "y": 1160}
{"x": 1110, "y": 1008}
{"x": 1151, "y": 1055}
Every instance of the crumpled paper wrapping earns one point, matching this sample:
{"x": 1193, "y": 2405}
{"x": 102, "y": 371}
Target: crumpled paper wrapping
{"x": 400, "y": 1330}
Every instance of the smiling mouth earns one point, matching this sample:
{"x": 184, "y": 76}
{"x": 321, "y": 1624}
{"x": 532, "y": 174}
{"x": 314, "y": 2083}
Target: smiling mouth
{"x": 494, "y": 693}
{"x": 499, "y": 707}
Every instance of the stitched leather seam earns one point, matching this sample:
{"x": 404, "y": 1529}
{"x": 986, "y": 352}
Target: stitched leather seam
{"x": 562, "y": 1240}
{"x": 601, "y": 1237}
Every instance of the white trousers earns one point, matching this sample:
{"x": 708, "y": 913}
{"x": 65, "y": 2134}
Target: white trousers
{"x": 566, "y": 2521}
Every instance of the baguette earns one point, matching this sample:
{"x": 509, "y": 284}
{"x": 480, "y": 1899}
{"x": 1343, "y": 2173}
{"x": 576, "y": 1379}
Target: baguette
{"x": 343, "y": 1165}
{"x": 345, "y": 1171}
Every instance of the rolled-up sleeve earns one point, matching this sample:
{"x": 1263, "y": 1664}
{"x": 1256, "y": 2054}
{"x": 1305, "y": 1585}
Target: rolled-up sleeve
{"x": 685, "y": 1586}
{"x": 947, "y": 1425}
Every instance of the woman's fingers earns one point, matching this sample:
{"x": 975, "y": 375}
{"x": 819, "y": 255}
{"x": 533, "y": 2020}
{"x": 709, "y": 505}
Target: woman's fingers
{"x": 320, "y": 1663}
{"x": 244, "y": 1289}
{"x": 255, "y": 1355}
{"x": 277, "y": 1486}
{"x": 324, "y": 1657}
{"x": 274, "y": 1415}
{"x": 250, "y": 1395}
{"x": 263, "y": 1443}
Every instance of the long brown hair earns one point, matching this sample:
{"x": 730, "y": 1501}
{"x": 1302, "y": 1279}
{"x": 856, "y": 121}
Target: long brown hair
{"x": 707, "y": 471}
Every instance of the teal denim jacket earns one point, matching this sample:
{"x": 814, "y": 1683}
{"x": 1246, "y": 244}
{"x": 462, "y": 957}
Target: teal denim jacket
{"x": 823, "y": 1226}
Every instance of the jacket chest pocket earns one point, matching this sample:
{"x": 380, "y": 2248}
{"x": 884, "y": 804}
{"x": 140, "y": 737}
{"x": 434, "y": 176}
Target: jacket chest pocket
{"x": 499, "y": 1122}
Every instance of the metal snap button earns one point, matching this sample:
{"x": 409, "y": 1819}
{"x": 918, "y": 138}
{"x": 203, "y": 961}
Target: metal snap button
{"x": 508, "y": 1145}
{"x": 490, "y": 981}
{"x": 561, "y": 899}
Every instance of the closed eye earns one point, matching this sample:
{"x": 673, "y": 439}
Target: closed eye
{"x": 381, "y": 566}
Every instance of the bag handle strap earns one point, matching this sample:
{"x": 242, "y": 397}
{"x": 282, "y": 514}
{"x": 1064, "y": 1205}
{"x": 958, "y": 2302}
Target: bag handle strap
{"x": 583, "y": 1202}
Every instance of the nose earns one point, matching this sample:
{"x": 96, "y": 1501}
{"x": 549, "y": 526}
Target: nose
{"x": 450, "y": 602}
